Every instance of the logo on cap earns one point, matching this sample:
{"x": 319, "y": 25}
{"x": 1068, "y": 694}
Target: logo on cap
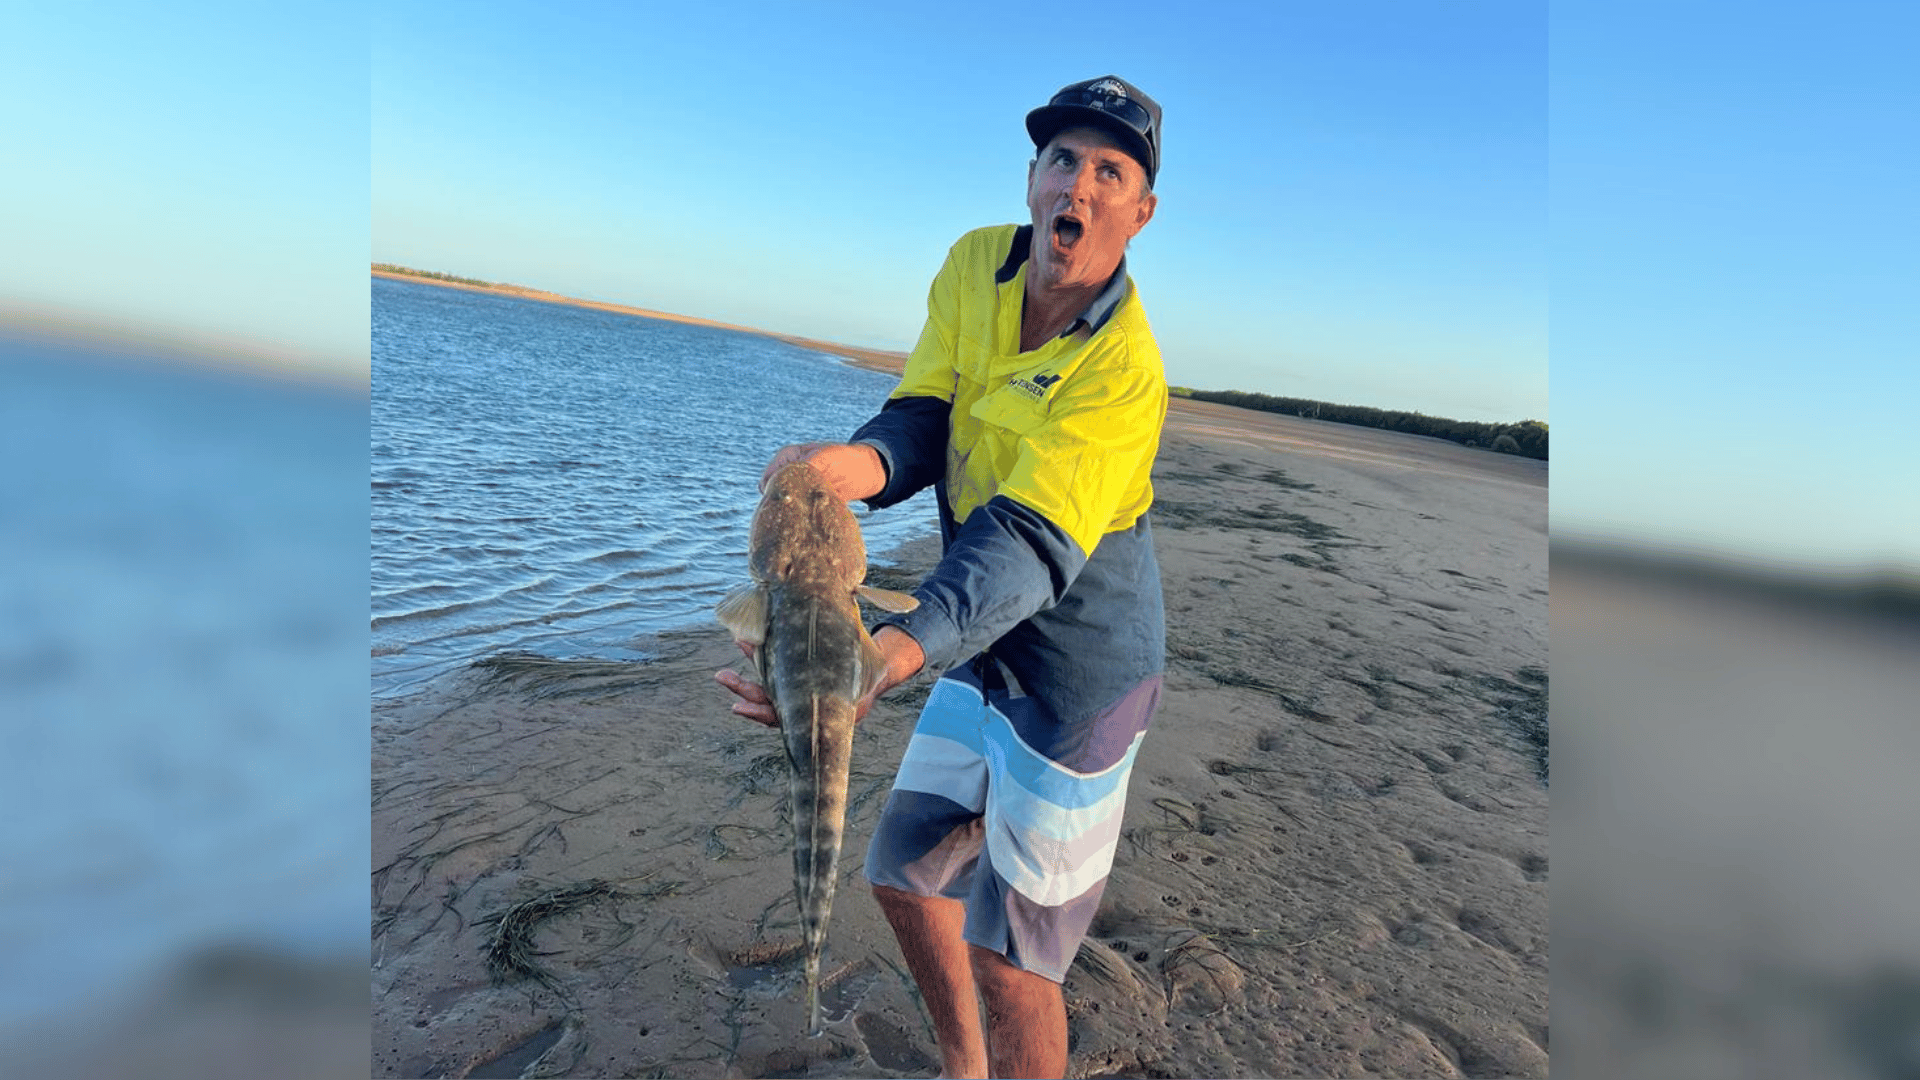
{"x": 1109, "y": 88}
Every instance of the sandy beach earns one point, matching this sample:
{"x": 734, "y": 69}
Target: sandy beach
{"x": 1335, "y": 860}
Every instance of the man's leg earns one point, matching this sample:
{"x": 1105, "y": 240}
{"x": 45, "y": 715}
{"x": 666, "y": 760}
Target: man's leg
{"x": 922, "y": 859}
{"x": 1055, "y": 824}
{"x": 1026, "y": 1018}
{"x": 928, "y": 928}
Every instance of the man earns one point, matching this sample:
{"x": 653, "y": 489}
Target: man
{"x": 1033, "y": 403}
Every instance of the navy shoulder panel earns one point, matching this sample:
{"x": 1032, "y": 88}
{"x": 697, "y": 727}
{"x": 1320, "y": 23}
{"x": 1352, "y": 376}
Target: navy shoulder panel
{"x": 1016, "y": 255}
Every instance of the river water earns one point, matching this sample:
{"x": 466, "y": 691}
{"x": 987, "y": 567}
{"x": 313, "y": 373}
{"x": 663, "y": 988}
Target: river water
{"x": 565, "y": 481}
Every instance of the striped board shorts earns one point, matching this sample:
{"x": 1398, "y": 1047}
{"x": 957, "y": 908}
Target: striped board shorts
{"x": 1024, "y": 837}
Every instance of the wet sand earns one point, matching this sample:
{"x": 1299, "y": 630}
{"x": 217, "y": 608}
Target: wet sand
{"x": 1334, "y": 863}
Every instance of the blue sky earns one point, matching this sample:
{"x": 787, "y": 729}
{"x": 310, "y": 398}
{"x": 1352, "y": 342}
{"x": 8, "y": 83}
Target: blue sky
{"x": 1353, "y": 197}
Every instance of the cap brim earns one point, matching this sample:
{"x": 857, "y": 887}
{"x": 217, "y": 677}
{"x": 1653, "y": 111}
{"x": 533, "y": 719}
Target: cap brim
{"x": 1050, "y": 120}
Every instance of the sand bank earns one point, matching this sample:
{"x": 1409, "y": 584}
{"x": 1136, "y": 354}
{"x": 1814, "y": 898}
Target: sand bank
{"x": 1335, "y": 860}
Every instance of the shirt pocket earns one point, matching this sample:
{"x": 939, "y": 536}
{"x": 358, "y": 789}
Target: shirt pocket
{"x": 1010, "y": 410}
{"x": 973, "y": 358}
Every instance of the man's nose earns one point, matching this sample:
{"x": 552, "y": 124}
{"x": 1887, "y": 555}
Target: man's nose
{"x": 1081, "y": 189}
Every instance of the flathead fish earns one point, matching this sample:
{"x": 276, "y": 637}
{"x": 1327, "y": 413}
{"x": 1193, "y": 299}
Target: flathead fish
{"x": 816, "y": 662}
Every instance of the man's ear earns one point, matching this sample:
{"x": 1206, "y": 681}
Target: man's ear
{"x": 1145, "y": 212}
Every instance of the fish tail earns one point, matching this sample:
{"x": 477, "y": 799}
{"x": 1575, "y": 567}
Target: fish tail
{"x": 822, "y": 748}
{"x": 813, "y": 995}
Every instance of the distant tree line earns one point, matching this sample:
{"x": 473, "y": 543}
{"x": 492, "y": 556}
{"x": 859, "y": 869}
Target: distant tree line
{"x": 1528, "y": 438}
{"x": 434, "y": 274}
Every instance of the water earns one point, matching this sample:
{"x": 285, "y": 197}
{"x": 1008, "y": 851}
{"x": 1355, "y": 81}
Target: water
{"x": 565, "y": 481}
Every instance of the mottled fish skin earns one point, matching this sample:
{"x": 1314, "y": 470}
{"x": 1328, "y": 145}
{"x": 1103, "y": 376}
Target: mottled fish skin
{"x": 816, "y": 662}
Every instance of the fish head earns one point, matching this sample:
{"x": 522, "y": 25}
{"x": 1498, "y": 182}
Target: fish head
{"x": 804, "y": 529}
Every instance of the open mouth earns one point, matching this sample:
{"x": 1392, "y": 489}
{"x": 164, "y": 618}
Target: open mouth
{"x": 1067, "y": 230}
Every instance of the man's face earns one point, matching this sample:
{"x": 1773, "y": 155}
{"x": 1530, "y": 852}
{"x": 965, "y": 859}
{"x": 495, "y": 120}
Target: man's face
{"x": 1088, "y": 198}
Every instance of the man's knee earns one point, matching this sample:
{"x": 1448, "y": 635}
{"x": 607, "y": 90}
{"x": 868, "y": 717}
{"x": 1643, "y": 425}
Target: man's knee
{"x": 890, "y": 897}
{"x": 994, "y": 972}
{"x": 988, "y": 966}
{"x": 897, "y": 903}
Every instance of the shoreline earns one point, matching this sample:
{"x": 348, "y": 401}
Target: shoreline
{"x": 872, "y": 359}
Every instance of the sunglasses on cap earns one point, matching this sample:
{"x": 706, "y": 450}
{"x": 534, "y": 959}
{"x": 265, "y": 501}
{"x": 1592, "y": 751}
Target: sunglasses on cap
{"x": 1126, "y": 109}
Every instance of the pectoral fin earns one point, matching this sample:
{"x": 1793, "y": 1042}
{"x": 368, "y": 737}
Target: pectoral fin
{"x": 744, "y": 611}
{"x": 872, "y": 667}
{"x": 886, "y": 599}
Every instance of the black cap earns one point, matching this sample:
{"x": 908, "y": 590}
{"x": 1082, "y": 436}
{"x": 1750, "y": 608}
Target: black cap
{"x": 1110, "y": 103}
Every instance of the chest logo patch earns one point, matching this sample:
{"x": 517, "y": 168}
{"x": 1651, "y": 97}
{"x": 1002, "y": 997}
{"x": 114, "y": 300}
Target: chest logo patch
{"x": 1036, "y": 387}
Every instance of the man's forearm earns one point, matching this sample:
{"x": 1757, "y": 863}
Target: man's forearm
{"x": 1007, "y": 563}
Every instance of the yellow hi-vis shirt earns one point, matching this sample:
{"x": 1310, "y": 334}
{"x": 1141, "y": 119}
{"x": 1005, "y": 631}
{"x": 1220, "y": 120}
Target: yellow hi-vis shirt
{"x": 1068, "y": 430}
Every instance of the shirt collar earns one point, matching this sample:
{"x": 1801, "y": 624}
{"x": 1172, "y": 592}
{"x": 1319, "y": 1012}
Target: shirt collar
{"x": 1097, "y": 312}
{"x": 1104, "y": 305}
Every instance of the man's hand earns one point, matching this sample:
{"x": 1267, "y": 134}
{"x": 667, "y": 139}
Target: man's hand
{"x": 904, "y": 659}
{"x": 754, "y": 704}
{"x": 855, "y": 472}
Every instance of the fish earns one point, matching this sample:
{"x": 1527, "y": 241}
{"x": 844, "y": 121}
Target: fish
{"x": 816, "y": 661}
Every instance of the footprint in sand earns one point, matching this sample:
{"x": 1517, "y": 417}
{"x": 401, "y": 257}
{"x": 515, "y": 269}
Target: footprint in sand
{"x": 890, "y": 1047}
{"x": 550, "y": 1051}
{"x": 764, "y": 969}
{"x": 1486, "y": 929}
{"x": 844, "y": 990}
{"x": 1421, "y": 854}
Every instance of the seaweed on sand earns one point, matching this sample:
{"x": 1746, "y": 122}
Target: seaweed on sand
{"x": 510, "y": 951}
